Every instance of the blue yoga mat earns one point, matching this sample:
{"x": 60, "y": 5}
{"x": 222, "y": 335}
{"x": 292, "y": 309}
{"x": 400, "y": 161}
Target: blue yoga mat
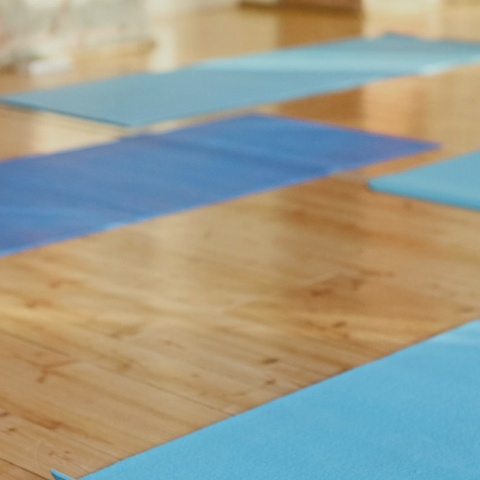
{"x": 453, "y": 182}
{"x": 224, "y": 84}
{"x": 413, "y": 415}
{"x": 45, "y": 199}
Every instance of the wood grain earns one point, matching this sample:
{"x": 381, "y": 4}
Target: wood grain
{"x": 120, "y": 341}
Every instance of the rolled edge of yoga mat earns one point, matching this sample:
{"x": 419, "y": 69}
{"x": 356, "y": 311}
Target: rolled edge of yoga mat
{"x": 59, "y": 476}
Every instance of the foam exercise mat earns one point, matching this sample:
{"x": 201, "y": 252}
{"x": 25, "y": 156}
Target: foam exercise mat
{"x": 413, "y": 415}
{"x": 453, "y": 182}
{"x": 147, "y": 98}
{"x": 45, "y": 199}
{"x": 224, "y": 84}
{"x": 388, "y": 55}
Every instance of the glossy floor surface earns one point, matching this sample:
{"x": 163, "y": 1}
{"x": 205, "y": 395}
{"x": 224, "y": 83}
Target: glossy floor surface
{"x": 120, "y": 341}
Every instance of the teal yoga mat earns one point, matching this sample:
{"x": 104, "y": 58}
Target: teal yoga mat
{"x": 219, "y": 85}
{"x": 454, "y": 182}
{"x": 411, "y": 416}
{"x": 50, "y": 198}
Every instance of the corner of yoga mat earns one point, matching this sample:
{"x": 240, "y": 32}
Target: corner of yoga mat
{"x": 452, "y": 182}
{"x": 59, "y": 476}
{"x": 390, "y": 185}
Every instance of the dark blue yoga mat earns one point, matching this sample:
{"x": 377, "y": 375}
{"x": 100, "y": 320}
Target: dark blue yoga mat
{"x": 454, "y": 182}
{"x": 219, "y": 85}
{"x": 411, "y": 416}
{"x": 45, "y": 199}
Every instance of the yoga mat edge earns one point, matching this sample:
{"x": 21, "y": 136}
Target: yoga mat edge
{"x": 59, "y": 476}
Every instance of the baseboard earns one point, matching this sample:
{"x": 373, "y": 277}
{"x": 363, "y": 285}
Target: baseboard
{"x": 261, "y": 2}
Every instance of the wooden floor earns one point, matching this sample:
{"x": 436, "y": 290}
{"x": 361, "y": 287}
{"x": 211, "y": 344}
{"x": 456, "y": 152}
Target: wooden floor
{"x": 121, "y": 341}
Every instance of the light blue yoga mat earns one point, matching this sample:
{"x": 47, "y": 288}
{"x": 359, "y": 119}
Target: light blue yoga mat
{"x": 148, "y": 98}
{"x": 411, "y": 416}
{"x": 46, "y": 199}
{"x": 225, "y": 84}
{"x": 388, "y": 55}
{"x": 454, "y": 182}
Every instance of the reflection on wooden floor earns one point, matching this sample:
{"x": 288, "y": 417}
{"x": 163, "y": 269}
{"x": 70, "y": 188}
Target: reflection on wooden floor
{"x": 117, "y": 342}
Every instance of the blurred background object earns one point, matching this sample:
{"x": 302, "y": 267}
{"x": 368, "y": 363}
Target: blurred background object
{"x": 33, "y": 32}
{"x": 41, "y": 35}
{"x": 359, "y": 5}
